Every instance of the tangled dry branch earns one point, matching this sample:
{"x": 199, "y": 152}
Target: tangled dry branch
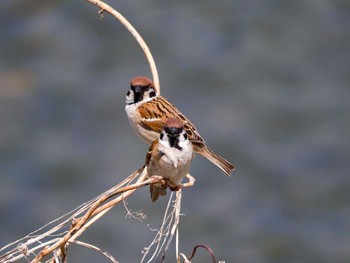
{"x": 56, "y": 239}
{"x": 106, "y": 8}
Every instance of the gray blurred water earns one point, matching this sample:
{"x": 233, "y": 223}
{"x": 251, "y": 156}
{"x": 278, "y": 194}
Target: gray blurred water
{"x": 265, "y": 82}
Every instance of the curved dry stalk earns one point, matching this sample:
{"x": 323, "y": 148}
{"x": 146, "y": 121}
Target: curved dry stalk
{"x": 207, "y": 248}
{"x": 129, "y": 190}
{"x": 106, "y": 254}
{"x": 106, "y": 8}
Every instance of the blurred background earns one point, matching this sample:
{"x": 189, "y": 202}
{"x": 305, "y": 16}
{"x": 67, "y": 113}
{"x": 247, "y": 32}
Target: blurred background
{"x": 265, "y": 82}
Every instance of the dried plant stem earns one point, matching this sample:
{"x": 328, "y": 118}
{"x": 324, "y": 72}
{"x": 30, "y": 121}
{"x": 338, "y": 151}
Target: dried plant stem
{"x": 81, "y": 224}
{"x": 106, "y": 8}
{"x": 161, "y": 235}
{"x": 95, "y": 209}
{"x": 58, "y": 242}
{"x": 177, "y": 209}
{"x": 128, "y": 190}
{"x": 166, "y": 232}
{"x": 106, "y": 254}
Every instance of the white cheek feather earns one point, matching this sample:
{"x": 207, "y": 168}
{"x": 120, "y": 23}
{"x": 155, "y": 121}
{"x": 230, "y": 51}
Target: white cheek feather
{"x": 187, "y": 150}
{"x": 184, "y": 144}
{"x": 164, "y": 141}
{"x": 129, "y": 99}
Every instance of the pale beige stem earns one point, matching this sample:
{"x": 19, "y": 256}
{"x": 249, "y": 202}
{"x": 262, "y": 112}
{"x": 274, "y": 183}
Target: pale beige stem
{"x": 106, "y": 8}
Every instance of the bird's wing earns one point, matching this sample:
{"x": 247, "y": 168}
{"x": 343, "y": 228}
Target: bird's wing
{"x": 155, "y": 113}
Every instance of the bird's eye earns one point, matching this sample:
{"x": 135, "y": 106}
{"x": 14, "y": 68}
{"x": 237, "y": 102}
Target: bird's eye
{"x": 161, "y": 136}
{"x": 185, "y": 135}
{"x": 127, "y": 94}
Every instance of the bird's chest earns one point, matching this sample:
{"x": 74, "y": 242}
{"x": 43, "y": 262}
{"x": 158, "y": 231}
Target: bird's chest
{"x": 173, "y": 164}
{"x": 135, "y": 119}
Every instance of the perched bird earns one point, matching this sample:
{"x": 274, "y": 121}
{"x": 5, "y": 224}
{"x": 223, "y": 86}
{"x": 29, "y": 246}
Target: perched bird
{"x": 169, "y": 157}
{"x": 147, "y": 112}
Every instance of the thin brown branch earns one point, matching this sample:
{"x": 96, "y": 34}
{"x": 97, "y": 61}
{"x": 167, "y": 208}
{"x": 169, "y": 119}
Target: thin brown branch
{"x": 106, "y": 8}
{"x": 207, "y": 248}
{"x": 96, "y": 216}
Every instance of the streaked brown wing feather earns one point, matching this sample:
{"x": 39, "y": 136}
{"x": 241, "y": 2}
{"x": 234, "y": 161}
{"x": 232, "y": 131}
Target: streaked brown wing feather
{"x": 154, "y": 125}
{"x": 149, "y": 153}
{"x": 157, "y": 111}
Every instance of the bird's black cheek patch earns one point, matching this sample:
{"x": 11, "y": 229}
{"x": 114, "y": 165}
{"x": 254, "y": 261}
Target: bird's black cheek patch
{"x": 152, "y": 94}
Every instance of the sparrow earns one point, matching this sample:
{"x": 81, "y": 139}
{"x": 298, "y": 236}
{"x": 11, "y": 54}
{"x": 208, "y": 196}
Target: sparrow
{"x": 170, "y": 156}
{"x": 147, "y": 112}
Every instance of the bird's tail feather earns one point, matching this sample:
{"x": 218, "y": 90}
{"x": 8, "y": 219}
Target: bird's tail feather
{"x": 219, "y": 161}
{"x": 156, "y": 191}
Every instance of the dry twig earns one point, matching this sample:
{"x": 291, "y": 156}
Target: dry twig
{"x": 106, "y": 254}
{"x": 58, "y": 240}
{"x": 106, "y": 8}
